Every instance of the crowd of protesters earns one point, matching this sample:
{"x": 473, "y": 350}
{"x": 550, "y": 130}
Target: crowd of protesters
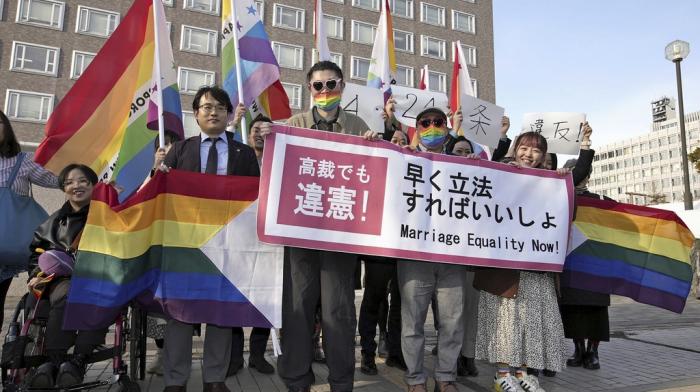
{"x": 519, "y": 321}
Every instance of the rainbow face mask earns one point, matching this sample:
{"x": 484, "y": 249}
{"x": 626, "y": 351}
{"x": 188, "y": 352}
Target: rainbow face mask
{"x": 433, "y": 137}
{"x": 327, "y": 101}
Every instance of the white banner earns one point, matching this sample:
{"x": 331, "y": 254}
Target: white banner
{"x": 365, "y": 102}
{"x": 481, "y": 120}
{"x": 323, "y": 190}
{"x": 411, "y": 101}
{"x": 563, "y": 130}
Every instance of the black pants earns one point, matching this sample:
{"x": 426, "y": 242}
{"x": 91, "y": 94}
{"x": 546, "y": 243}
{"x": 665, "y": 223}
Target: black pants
{"x": 59, "y": 340}
{"x": 258, "y": 343}
{"x": 380, "y": 276}
{"x": 311, "y": 276}
{"x": 4, "y": 288}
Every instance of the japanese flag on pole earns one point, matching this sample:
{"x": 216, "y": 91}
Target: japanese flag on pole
{"x": 423, "y": 83}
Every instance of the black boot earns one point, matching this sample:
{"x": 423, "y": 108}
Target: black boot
{"x": 71, "y": 372}
{"x": 590, "y": 360}
{"x": 367, "y": 365}
{"x": 43, "y": 377}
{"x": 466, "y": 367}
{"x": 579, "y": 350}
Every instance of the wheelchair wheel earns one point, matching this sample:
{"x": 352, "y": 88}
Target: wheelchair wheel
{"x": 126, "y": 385}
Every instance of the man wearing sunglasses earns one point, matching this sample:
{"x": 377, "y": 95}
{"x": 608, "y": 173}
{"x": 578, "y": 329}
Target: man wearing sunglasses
{"x": 419, "y": 281}
{"x": 313, "y": 276}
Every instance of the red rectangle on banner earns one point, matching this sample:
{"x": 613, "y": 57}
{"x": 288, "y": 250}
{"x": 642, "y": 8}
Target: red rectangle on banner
{"x": 342, "y": 193}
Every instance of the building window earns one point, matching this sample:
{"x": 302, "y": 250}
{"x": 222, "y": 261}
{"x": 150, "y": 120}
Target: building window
{"x": 363, "y": 33}
{"x": 432, "y": 47}
{"x": 260, "y": 7}
{"x": 402, "y": 8}
{"x": 404, "y": 75}
{"x": 197, "y": 40}
{"x": 45, "y": 13}
{"x": 294, "y": 94}
{"x": 335, "y": 57}
{"x": 432, "y": 14}
{"x": 469, "y": 54}
{"x": 463, "y": 21}
{"x": 288, "y": 17}
{"x": 28, "y": 106}
{"x": 93, "y": 21}
{"x": 334, "y": 26}
{"x": 437, "y": 81}
{"x": 169, "y": 3}
{"x": 474, "y": 88}
{"x": 189, "y": 124}
{"x": 189, "y": 80}
{"x": 34, "y": 58}
{"x": 368, "y": 4}
{"x": 80, "y": 62}
{"x": 289, "y": 56}
{"x": 205, "y": 6}
{"x": 403, "y": 41}
{"x": 359, "y": 68}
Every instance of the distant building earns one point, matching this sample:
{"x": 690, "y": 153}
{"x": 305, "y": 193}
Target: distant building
{"x": 647, "y": 169}
{"x": 45, "y": 45}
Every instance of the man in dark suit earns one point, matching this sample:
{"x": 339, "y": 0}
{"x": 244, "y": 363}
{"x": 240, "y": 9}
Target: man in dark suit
{"x": 214, "y": 151}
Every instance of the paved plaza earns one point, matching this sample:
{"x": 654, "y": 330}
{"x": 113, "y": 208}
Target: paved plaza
{"x": 650, "y": 350}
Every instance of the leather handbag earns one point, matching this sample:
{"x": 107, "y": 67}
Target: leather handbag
{"x": 19, "y": 218}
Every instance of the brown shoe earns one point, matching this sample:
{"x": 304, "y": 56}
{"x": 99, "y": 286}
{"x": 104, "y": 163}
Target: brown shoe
{"x": 445, "y": 386}
{"x": 175, "y": 388}
{"x": 215, "y": 387}
{"x": 417, "y": 388}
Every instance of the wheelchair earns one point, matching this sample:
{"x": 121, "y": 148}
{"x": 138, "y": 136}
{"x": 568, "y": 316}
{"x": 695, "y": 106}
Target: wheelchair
{"x": 24, "y": 350}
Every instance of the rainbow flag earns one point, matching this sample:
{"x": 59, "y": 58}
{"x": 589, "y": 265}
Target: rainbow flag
{"x": 382, "y": 66}
{"x": 258, "y": 65}
{"x": 639, "y": 252}
{"x": 186, "y": 245}
{"x": 103, "y": 120}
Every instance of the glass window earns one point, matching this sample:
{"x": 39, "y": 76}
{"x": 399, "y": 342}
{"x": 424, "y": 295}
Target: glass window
{"x": 34, "y": 58}
{"x": 402, "y": 8}
{"x": 289, "y": 56}
{"x": 432, "y": 47}
{"x": 189, "y": 80}
{"x": 369, "y": 4}
{"x": 46, "y": 13}
{"x": 463, "y": 21}
{"x": 469, "y": 54}
{"x": 404, "y": 75}
{"x": 169, "y": 3}
{"x": 80, "y": 62}
{"x": 294, "y": 94}
{"x": 189, "y": 124}
{"x": 363, "y": 33}
{"x": 198, "y": 40}
{"x": 437, "y": 81}
{"x": 432, "y": 14}
{"x": 95, "y": 21}
{"x": 206, "y": 6}
{"x": 260, "y": 7}
{"x": 335, "y": 57}
{"x": 28, "y": 106}
{"x": 334, "y": 26}
{"x": 288, "y": 17}
{"x": 475, "y": 88}
{"x": 403, "y": 41}
{"x": 359, "y": 68}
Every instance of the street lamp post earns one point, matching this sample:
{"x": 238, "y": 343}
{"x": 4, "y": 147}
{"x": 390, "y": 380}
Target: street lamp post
{"x": 676, "y": 51}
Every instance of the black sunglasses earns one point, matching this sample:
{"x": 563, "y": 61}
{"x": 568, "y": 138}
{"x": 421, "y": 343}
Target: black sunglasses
{"x": 436, "y": 121}
{"x": 329, "y": 84}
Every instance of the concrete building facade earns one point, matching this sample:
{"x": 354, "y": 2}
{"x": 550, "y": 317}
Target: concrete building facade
{"x": 646, "y": 169}
{"x": 45, "y": 45}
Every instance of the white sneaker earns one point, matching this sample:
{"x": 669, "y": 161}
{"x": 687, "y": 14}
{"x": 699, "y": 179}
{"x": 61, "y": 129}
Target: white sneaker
{"x": 507, "y": 383}
{"x": 530, "y": 383}
{"x": 156, "y": 367}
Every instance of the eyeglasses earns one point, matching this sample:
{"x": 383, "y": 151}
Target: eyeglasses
{"x": 438, "y": 122}
{"x": 330, "y": 84}
{"x": 79, "y": 181}
{"x": 211, "y": 108}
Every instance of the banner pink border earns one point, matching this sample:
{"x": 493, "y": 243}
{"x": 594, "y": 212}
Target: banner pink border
{"x": 268, "y": 158}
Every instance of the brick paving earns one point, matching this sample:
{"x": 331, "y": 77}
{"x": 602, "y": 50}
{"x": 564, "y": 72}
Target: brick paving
{"x": 650, "y": 350}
